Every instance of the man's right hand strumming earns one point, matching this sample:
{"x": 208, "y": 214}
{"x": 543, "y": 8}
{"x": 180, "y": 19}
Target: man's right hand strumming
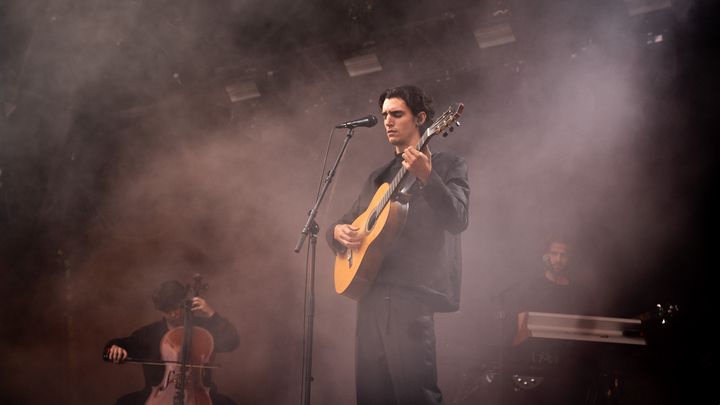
{"x": 348, "y": 235}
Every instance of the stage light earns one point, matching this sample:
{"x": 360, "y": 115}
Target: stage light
{"x": 240, "y": 91}
{"x": 653, "y": 38}
{"x": 362, "y": 65}
{"x": 496, "y": 34}
{"x": 636, "y": 7}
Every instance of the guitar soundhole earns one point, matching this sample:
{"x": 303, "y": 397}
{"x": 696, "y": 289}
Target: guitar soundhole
{"x": 371, "y": 221}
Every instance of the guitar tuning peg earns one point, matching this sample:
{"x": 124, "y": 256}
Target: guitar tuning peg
{"x": 445, "y": 134}
{"x": 457, "y": 123}
{"x": 451, "y": 129}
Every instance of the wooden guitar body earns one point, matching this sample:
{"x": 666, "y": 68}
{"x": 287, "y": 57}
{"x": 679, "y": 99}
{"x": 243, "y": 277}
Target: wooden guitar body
{"x": 355, "y": 269}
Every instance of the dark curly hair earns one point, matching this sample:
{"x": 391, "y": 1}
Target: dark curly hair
{"x": 169, "y": 296}
{"x": 415, "y": 98}
{"x": 556, "y": 238}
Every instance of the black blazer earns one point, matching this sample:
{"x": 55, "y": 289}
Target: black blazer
{"x": 426, "y": 258}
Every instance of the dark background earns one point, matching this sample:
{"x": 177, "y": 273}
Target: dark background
{"x": 123, "y": 162}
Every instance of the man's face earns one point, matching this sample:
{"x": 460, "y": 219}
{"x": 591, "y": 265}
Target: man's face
{"x": 400, "y": 124}
{"x": 174, "y": 317}
{"x": 558, "y": 254}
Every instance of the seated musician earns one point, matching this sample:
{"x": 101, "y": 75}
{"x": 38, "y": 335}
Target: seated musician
{"x": 144, "y": 343}
{"x": 567, "y": 368}
{"x": 555, "y": 289}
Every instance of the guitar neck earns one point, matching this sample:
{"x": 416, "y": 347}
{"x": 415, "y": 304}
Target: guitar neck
{"x": 443, "y": 123}
{"x": 401, "y": 174}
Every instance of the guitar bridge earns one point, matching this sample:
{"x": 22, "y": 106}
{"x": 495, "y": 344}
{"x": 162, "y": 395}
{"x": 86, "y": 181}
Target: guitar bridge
{"x": 349, "y": 256}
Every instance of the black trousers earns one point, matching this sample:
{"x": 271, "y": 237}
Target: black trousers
{"x": 395, "y": 349}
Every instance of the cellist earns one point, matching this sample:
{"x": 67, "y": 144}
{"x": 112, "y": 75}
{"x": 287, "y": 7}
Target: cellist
{"x": 144, "y": 343}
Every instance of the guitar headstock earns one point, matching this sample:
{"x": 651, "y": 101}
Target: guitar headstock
{"x": 447, "y": 122}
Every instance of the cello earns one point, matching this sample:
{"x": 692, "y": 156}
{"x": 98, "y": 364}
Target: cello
{"x": 186, "y": 352}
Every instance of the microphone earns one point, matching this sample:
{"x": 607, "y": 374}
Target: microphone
{"x": 368, "y": 121}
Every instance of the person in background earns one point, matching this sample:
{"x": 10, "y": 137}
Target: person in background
{"x": 565, "y": 369}
{"x": 144, "y": 343}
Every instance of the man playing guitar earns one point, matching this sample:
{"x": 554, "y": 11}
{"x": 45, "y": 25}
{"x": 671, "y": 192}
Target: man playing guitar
{"x": 420, "y": 272}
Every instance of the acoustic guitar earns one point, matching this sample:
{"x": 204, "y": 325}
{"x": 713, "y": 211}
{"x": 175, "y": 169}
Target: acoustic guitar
{"x": 382, "y": 221}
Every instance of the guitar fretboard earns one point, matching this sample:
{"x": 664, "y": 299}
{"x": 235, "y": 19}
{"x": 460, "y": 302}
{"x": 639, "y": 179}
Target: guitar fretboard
{"x": 443, "y": 123}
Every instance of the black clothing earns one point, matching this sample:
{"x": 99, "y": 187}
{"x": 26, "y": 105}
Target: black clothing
{"x": 426, "y": 256}
{"x": 565, "y": 368}
{"x": 144, "y": 343}
{"x": 542, "y": 295}
{"x": 395, "y": 349}
{"x": 420, "y": 275}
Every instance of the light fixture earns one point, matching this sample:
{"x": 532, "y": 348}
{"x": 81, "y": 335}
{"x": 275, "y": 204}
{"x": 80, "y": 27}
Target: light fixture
{"x": 362, "y": 65}
{"x": 636, "y": 7}
{"x": 494, "y": 34}
{"x": 239, "y": 91}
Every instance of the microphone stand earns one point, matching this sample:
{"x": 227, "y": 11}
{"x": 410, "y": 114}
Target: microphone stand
{"x": 312, "y": 229}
